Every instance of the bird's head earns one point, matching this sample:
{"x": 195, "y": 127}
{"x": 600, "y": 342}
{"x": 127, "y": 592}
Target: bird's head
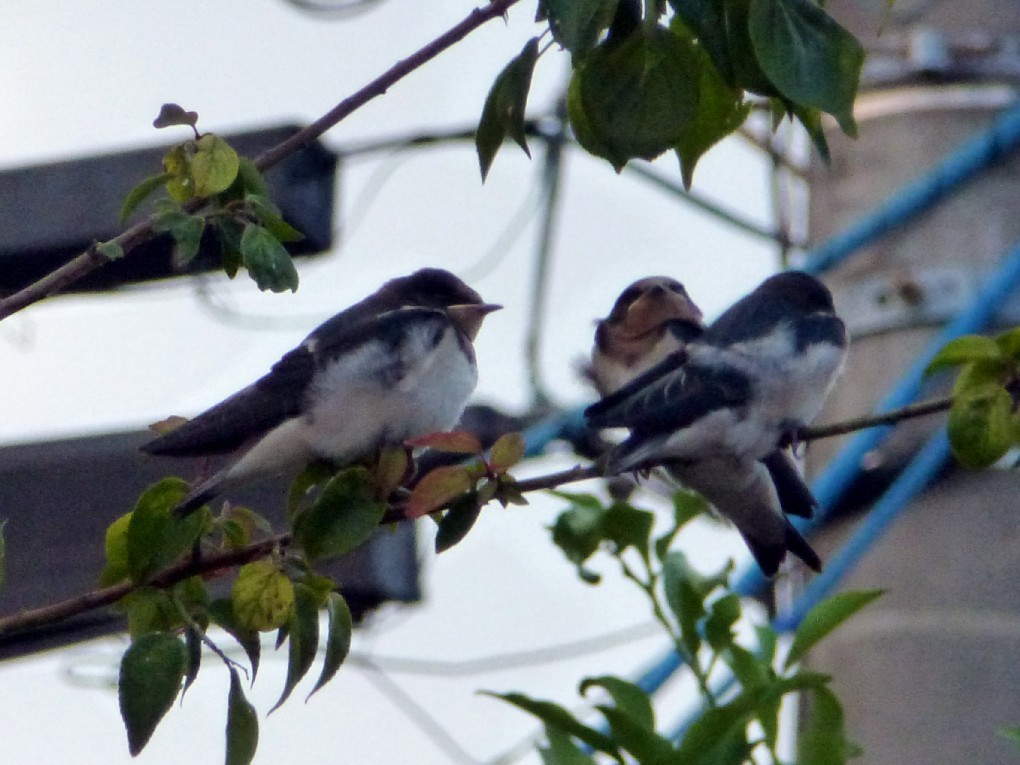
{"x": 799, "y": 290}
{"x": 649, "y": 304}
{"x": 430, "y": 288}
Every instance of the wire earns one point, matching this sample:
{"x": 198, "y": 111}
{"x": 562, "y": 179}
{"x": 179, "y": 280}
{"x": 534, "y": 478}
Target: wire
{"x": 336, "y": 8}
{"x": 509, "y": 660}
{"x": 417, "y": 713}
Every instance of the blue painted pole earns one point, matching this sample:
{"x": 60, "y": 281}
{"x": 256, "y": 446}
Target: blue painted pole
{"x": 922, "y": 194}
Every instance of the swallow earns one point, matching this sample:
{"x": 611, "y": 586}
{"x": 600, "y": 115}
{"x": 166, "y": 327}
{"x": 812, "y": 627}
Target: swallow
{"x": 718, "y": 405}
{"x": 398, "y": 364}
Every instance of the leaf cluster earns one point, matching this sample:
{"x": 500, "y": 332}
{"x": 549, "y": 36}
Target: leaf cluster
{"x": 209, "y": 188}
{"x": 330, "y": 513}
{"x": 658, "y": 77}
{"x": 701, "y": 615}
{"x": 984, "y": 422}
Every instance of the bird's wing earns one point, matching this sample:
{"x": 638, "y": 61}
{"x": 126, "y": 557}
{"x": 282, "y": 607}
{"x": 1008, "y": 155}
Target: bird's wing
{"x": 282, "y": 393}
{"x": 671, "y": 396}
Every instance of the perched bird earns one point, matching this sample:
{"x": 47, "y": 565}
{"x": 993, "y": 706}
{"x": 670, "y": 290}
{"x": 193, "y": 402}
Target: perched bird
{"x": 716, "y": 408}
{"x": 396, "y": 365}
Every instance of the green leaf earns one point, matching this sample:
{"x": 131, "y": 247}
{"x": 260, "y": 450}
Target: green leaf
{"x": 172, "y": 114}
{"x": 116, "y": 568}
{"x": 315, "y": 475}
{"x": 140, "y": 193}
{"x": 824, "y": 618}
{"x": 228, "y": 234}
{"x": 438, "y": 488}
{"x": 214, "y": 166}
{"x": 457, "y": 521}
{"x": 562, "y": 751}
{"x": 221, "y": 613}
{"x": 269, "y": 216}
{"x": 193, "y": 646}
{"x": 506, "y": 452}
{"x": 504, "y": 110}
{"x": 303, "y": 634}
{"x": 722, "y": 615}
{"x": 177, "y": 163}
{"x": 242, "y": 724}
{"x": 156, "y": 536}
{"x": 577, "y": 531}
{"x": 706, "y": 19}
{"x": 686, "y": 507}
{"x": 186, "y": 231}
{"x": 1009, "y": 343}
{"x": 645, "y": 744}
{"x": 636, "y": 98}
{"x": 262, "y": 597}
{"x": 686, "y": 590}
{"x": 749, "y": 670}
{"x": 267, "y": 261}
{"x": 150, "y": 610}
{"x": 338, "y": 640}
{"x": 343, "y": 517}
{"x": 713, "y": 732}
{"x": 981, "y": 425}
{"x": 721, "y": 110}
{"x": 627, "y": 697}
{"x": 556, "y": 717}
{"x": 823, "y": 740}
{"x": 150, "y": 679}
{"x": 743, "y": 69}
{"x": 250, "y": 178}
{"x": 626, "y": 526}
{"x": 963, "y": 350}
{"x": 577, "y": 24}
{"x": 809, "y": 57}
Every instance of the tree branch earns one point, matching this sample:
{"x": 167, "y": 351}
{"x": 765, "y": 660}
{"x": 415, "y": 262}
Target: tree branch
{"x": 221, "y": 563}
{"x": 90, "y": 260}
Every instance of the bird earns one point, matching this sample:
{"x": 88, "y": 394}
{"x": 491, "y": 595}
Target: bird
{"x": 396, "y": 365}
{"x": 719, "y": 402}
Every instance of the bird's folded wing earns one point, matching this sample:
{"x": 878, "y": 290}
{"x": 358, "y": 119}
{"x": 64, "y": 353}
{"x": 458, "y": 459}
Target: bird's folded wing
{"x": 672, "y": 400}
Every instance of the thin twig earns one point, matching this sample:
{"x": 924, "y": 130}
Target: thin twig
{"x": 911, "y": 411}
{"x": 91, "y": 259}
{"x": 106, "y": 596}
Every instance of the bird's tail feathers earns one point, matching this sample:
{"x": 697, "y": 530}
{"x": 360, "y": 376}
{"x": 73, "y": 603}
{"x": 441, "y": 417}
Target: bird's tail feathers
{"x": 799, "y": 546}
{"x": 795, "y": 496}
{"x": 769, "y": 555}
{"x": 199, "y": 496}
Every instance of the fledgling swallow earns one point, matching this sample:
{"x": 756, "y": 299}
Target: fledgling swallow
{"x": 396, "y": 365}
{"x": 716, "y": 409}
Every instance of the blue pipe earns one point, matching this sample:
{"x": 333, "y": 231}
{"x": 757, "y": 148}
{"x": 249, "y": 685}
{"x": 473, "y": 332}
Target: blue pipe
{"x": 964, "y": 163}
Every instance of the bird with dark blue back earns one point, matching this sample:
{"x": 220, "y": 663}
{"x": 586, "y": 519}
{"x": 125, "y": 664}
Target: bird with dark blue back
{"x": 396, "y": 365}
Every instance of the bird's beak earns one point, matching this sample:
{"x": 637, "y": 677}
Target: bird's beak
{"x": 468, "y": 316}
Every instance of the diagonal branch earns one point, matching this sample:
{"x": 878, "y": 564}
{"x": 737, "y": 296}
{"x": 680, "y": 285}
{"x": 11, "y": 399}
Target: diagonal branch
{"x": 223, "y": 563}
{"x": 92, "y": 259}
